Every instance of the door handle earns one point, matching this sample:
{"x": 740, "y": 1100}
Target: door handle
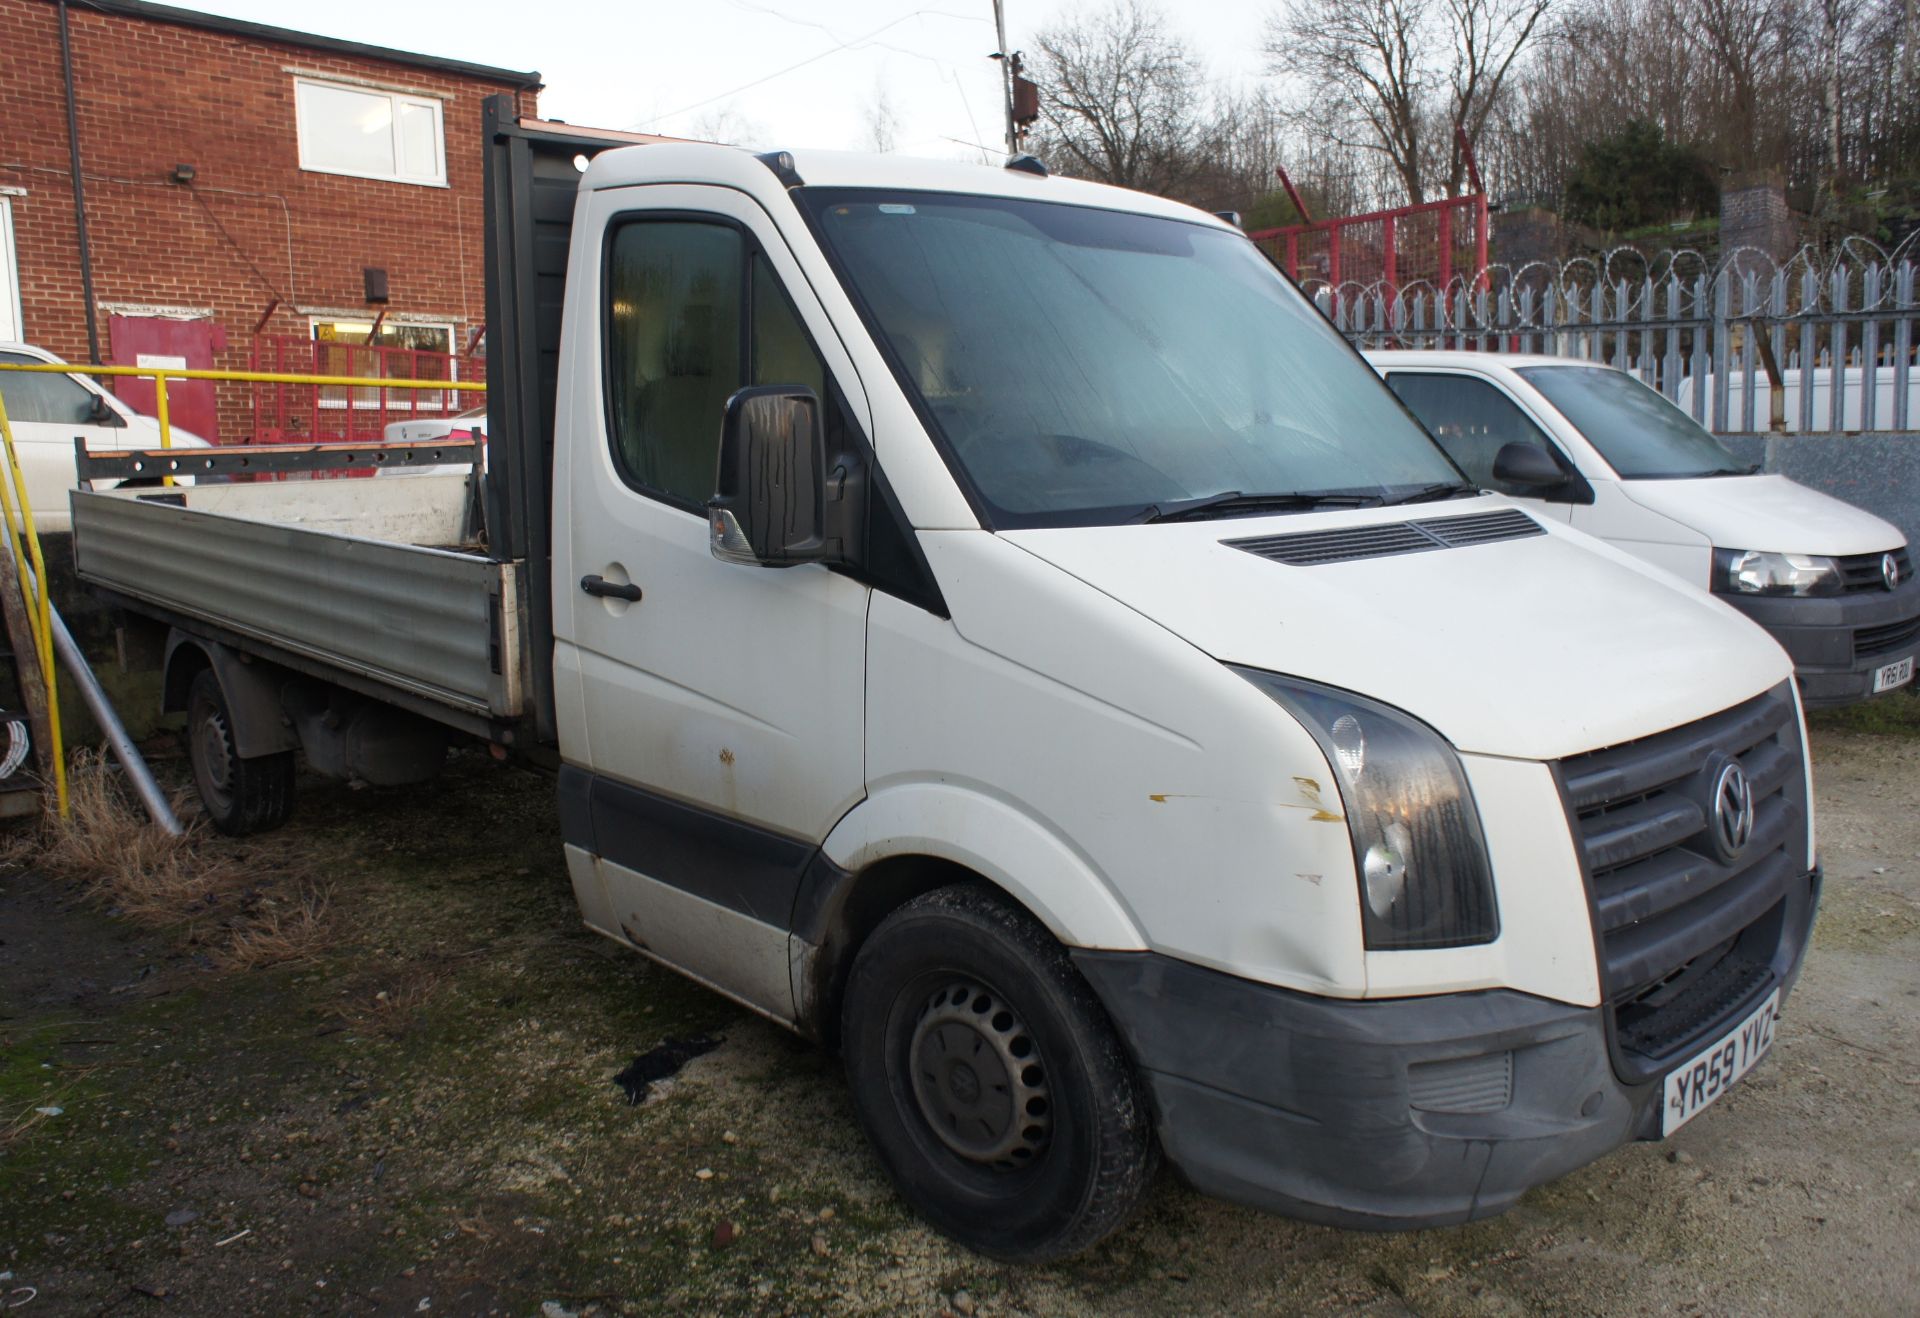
{"x": 595, "y": 584}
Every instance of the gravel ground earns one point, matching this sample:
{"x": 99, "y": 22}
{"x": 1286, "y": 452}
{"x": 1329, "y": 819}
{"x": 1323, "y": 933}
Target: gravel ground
{"x": 423, "y": 1115}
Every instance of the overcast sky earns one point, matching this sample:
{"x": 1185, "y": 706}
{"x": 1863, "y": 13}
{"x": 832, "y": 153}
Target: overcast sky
{"x": 768, "y": 73}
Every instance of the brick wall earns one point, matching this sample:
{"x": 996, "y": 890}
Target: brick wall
{"x": 153, "y": 94}
{"x": 1754, "y": 214}
{"x": 1520, "y": 236}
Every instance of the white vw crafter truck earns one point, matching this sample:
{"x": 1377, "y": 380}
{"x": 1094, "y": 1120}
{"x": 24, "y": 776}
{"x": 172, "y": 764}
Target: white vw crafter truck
{"x": 993, "y": 624}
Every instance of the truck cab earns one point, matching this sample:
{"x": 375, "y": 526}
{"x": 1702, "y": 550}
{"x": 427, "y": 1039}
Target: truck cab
{"x": 954, "y": 640}
{"x": 1831, "y": 582}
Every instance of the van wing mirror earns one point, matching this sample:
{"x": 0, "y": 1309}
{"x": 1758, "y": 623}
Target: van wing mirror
{"x": 772, "y": 489}
{"x": 1528, "y": 466}
{"x": 100, "y": 412}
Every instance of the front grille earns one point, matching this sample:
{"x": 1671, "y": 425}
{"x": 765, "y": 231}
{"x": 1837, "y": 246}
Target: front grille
{"x": 1887, "y": 636}
{"x": 1314, "y": 548}
{"x": 1863, "y": 572}
{"x": 1670, "y": 904}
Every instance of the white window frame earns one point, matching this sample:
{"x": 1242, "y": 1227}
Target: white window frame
{"x": 398, "y": 400}
{"x": 12, "y": 327}
{"x": 397, "y": 100}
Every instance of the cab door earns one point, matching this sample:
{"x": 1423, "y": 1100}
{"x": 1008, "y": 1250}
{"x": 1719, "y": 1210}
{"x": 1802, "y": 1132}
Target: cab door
{"x": 1473, "y": 418}
{"x": 712, "y": 714}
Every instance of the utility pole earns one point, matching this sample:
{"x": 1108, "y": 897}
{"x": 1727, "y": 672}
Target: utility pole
{"x": 1005, "y": 57}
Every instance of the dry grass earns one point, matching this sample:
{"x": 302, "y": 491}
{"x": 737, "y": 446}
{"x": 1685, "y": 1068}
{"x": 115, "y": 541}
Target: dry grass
{"x": 33, "y": 1113}
{"x": 274, "y": 933}
{"x": 391, "y": 1010}
{"x": 242, "y": 914}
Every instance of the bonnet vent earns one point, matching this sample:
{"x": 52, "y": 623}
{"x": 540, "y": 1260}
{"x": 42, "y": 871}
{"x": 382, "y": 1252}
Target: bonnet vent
{"x": 1312, "y": 548}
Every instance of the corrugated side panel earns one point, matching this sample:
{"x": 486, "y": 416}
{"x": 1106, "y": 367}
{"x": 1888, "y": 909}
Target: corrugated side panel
{"x": 415, "y": 618}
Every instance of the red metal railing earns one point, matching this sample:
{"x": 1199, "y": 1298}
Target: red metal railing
{"x": 332, "y": 413}
{"x": 1428, "y": 243}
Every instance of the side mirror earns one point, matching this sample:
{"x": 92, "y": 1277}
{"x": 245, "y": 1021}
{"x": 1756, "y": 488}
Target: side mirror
{"x": 1528, "y": 466}
{"x": 101, "y": 413}
{"x": 775, "y": 503}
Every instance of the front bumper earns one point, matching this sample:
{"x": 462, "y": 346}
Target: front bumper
{"x": 1388, "y": 1114}
{"x": 1819, "y": 633}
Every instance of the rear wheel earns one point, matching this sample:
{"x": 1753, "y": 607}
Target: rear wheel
{"x": 990, "y": 1080}
{"x": 241, "y": 796}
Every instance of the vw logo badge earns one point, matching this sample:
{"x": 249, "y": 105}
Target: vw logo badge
{"x": 1890, "y": 570}
{"x": 1732, "y": 809}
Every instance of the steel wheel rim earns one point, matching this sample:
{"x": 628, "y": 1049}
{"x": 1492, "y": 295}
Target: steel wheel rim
{"x": 215, "y": 746}
{"x": 977, "y": 1077}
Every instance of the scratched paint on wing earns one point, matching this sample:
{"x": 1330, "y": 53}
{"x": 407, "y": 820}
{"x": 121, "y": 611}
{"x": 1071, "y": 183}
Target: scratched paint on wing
{"x": 1320, "y": 814}
{"x": 1310, "y": 789}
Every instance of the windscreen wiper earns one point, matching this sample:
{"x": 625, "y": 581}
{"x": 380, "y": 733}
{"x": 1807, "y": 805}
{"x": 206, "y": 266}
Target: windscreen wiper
{"x": 1433, "y": 493}
{"x": 1233, "y": 503}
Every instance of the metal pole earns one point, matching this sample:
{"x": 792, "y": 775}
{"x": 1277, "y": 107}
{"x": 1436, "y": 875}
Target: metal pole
{"x": 158, "y": 807}
{"x": 1006, "y": 72}
{"x": 163, "y": 417}
{"x": 79, "y": 188}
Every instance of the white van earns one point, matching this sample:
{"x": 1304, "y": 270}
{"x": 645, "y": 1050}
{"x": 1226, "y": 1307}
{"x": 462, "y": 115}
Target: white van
{"x": 1602, "y": 452}
{"x": 48, "y": 411}
{"x": 955, "y": 639}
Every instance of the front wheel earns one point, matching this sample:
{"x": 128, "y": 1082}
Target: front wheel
{"x": 241, "y": 795}
{"x": 990, "y": 1080}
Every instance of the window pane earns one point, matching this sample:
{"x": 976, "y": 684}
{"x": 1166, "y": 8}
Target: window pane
{"x": 1640, "y": 434}
{"x": 1471, "y": 419}
{"x": 781, "y": 352}
{"x": 419, "y": 140}
{"x": 342, "y": 129}
{"x": 51, "y": 399}
{"x": 341, "y": 348}
{"x": 673, "y": 352}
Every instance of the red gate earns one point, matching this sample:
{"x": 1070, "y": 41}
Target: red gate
{"x": 1430, "y": 243}
{"x": 338, "y": 414}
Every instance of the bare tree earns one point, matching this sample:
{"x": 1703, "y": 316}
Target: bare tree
{"x": 883, "y": 121}
{"x": 727, "y": 126}
{"x": 1401, "y": 78}
{"x": 1121, "y": 100}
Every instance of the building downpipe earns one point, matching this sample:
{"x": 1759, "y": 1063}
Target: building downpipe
{"x": 79, "y": 188}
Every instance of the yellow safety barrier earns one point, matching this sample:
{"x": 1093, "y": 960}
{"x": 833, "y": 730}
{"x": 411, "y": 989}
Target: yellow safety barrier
{"x": 161, "y": 374}
{"x": 39, "y": 604}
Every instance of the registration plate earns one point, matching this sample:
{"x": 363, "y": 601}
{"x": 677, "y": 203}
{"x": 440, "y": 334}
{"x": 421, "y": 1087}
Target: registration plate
{"x": 1889, "y": 676}
{"x": 1706, "y": 1076}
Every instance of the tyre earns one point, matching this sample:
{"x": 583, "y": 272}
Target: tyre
{"x": 241, "y": 796}
{"x": 990, "y": 1081}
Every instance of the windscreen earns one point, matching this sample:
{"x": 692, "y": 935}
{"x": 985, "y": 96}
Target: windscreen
{"x": 1087, "y": 366}
{"x": 1640, "y": 434}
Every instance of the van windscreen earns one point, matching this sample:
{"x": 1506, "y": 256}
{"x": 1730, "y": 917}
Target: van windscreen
{"x": 1640, "y": 434}
{"x": 1083, "y": 366}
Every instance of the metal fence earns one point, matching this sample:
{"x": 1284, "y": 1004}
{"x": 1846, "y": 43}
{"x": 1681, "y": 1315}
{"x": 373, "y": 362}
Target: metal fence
{"x": 331, "y": 412}
{"x": 1747, "y": 344}
{"x": 1385, "y": 250}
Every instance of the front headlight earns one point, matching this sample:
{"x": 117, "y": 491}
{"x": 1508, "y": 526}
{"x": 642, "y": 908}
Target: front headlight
{"x": 1425, "y": 880}
{"x": 1762, "y": 572}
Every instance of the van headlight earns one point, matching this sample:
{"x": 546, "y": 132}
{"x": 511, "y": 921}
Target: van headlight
{"x": 1425, "y": 880}
{"x": 1762, "y": 572}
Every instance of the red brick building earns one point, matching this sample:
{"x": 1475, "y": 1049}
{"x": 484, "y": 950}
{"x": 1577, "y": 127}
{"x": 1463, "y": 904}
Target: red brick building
{"x": 239, "y": 180}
